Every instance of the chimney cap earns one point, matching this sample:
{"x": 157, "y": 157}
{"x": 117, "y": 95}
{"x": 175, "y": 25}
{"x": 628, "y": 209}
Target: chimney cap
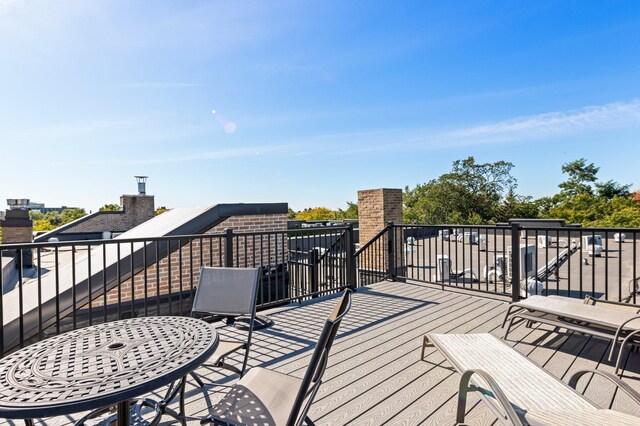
{"x": 142, "y": 190}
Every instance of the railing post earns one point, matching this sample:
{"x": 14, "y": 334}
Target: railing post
{"x": 391, "y": 252}
{"x": 352, "y": 275}
{"x": 228, "y": 248}
{"x": 515, "y": 262}
{"x": 313, "y": 272}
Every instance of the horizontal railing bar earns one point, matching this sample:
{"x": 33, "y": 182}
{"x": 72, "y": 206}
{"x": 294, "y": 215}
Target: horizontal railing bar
{"x": 14, "y": 246}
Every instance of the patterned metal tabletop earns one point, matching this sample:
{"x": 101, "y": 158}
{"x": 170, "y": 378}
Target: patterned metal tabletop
{"x": 101, "y": 365}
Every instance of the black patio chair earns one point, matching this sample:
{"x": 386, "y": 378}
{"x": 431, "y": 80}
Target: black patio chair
{"x": 222, "y": 293}
{"x": 266, "y": 397}
{"x": 227, "y": 293}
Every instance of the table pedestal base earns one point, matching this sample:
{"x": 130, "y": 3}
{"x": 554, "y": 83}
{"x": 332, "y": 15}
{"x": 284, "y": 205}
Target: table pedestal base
{"x": 122, "y": 417}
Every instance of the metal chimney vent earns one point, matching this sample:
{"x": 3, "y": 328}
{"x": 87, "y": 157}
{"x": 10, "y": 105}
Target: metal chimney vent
{"x": 142, "y": 183}
{"x": 18, "y": 203}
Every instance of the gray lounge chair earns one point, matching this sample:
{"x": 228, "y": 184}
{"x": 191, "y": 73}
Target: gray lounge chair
{"x": 265, "y": 397}
{"x": 518, "y": 391}
{"x": 607, "y": 320}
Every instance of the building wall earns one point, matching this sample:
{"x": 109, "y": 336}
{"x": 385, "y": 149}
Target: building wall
{"x": 186, "y": 262}
{"x": 136, "y": 209}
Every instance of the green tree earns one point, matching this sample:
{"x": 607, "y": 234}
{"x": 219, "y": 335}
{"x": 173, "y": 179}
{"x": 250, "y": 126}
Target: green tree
{"x": 350, "y": 213}
{"x": 110, "y": 208}
{"x": 517, "y": 206}
{"x": 291, "y": 214}
{"x": 43, "y": 225}
{"x": 470, "y": 194}
{"x": 161, "y": 210}
{"x": 316, "y": 213}
{"x": 610, "y": 189}
{"x": 582, "y": 208}
{"x": 54, "y": 218}
{"x": 610, "y": 204}
{"x": 69, "y": 215}
{"x": 581, "y": 176}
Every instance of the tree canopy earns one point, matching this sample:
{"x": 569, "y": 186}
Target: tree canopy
{"x": 581, "y": 176}
{"x": 110, "y": 208}
{"x": 471, "y": 193}
{"x": 324, "y": 213}
{"x": 52, "y": 220}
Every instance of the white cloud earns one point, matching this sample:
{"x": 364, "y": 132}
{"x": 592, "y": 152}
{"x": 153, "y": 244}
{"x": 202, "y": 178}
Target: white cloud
{"x": 553, "y": 123}
{"x": 514, "y": 130}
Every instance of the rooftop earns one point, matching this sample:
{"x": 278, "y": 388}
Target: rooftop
{"x": 375, "y": 375}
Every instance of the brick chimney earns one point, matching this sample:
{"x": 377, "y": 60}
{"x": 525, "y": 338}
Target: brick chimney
{"x": 17, "y": 227}
{"x": 376, "y": 208}
{"x": 137, "y": 209}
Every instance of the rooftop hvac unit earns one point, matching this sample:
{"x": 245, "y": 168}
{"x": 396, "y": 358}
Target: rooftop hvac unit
{"x": 592, "y": 240}
{"x": 482, "y": 242}
{"x": 470, "y": 238}
{"x": 619, "y": 237}
{"x": 494, "y": 273}
{"x": 527, "y": 261}
{"x": 444, "y": 271}
{"x": 594, "y": 250}
{"x": 545, "y": 241}
{"x": 443, "y": 233}
{"x": 409, "y": 249}
{"x": 593, "y": 243}
{"x": 443, "y": 267}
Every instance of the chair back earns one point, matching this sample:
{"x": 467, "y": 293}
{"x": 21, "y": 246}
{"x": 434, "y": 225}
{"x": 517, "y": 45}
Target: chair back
{"x": 318, "y": 362}
{"x": 226, "y": 291}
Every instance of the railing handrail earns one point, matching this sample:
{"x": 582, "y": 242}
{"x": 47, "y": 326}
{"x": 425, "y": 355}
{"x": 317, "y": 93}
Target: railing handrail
{"x": 13, "y": 246}
{"x": 372, "y": 240}
{"x": 522, "y": 227}
{"x": 328, "y": 249}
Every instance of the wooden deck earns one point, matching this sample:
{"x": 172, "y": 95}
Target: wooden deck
{"x": 375, "y": 375}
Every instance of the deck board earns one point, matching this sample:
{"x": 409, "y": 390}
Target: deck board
{"x": 375, "y": 375}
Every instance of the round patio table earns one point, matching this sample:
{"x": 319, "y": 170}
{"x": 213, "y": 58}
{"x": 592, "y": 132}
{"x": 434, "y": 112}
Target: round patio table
{"x": 102, "y": 366}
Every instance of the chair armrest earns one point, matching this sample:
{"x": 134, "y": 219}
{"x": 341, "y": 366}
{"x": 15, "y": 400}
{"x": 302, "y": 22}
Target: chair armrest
{"x": 594, "y": 301}
{"x": 632, "y": 393}
{"x": 498, "y": 393}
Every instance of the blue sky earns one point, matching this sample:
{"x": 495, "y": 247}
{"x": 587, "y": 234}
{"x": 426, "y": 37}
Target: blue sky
{"x": 312, "y": 100}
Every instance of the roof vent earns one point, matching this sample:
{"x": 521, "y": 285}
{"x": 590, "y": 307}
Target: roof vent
{"x": 142, "y": 183}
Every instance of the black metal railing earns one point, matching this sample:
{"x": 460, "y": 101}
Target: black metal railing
{"x": 519, "y": 261}
{"x": 58, "y": 286}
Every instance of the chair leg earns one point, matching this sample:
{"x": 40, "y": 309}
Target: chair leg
{"x": 183, "y": 385}
{"x": 462, "y": 402}
{"x": 425, "y": 344}
{"x": 308, "y": 421}
{"x": 506, "y": 332}
{"x": 197, "y": 378}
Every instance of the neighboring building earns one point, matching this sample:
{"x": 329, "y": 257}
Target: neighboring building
{"x": 27, "y": 204}
{"x": 134, "y": 210}
{"x": 99, "y": 271}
